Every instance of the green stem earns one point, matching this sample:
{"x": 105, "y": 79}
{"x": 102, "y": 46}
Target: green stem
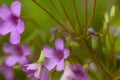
{"x": 49, "y": 14}
{"x": 96, "y": 60}
{"x": 117, "y": 78}
{"x": 50, "y": 78}
{"x": 77, "y": 58}
{"x": 104, "y": 50}
{"x": 86, "y": 11}
{"x": 77, "y": 17}
{"x": 112, "y": 47}
{"x": 92, "y": 17}
{"x": 69, "y": 21}
{"x": 52, "y": 3}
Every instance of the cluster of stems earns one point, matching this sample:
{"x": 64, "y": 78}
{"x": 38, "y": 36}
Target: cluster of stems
{"x": 81, "y": 35}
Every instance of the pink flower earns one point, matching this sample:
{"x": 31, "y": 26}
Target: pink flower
{"x": 36, "y": 70}
{"x": 55, "y": 57}
{"x": 74, "y": 72}
{"x": 10, "y": 21}
{"x": 17, "y": 54}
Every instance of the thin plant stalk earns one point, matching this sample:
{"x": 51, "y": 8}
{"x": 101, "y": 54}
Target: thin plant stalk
{"x": 77, "y": 17}
{"x": 67, "y": 16}
{"x": 53, "y": 17}
{"x": 112, "y": 44}
{"x": 86, "y": 12}
{"x": 91, "y": 18}
{"x": 96, "y": 60}
{"x": 52, "y": 3}
{"x": 49, "y": 14}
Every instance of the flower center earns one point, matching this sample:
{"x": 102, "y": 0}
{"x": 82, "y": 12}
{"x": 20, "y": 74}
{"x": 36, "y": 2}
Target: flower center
{"x": 19, "y": 50}
{"x": 79, "y": 73}
{"x": 60, "y": 54}
{"x": 15, "y": 19}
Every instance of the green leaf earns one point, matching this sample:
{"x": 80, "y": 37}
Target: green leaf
{"x": 94, "y": 42}
{"x": 41, "y": 58}
{"x": 106, "y": 18}
{"x": 112, "y": 12}
{"x": 104, "y": 26}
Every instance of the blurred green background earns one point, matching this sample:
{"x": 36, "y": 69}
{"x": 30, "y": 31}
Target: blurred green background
{"x": 38, "y": 24}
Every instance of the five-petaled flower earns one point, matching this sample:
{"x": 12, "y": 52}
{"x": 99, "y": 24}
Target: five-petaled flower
{"x": 74, "y": 72}
{"x": 17, "y": 54}
{"x": 37, "y": 71}
{"x": 10, "y": 21}
{"x": 55, "y": 57}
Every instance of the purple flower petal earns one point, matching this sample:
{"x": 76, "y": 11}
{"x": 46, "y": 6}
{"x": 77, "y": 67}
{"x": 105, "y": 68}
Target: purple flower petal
{"x": 50, "y": 63}
{"x": 16, "y": 8}
{"x": 33, "y": 66}
{"x": 24, "y": 67}
{"x": 15, "y": 37}
{"x": 48, "y": 52}
{"x": 30, "y": 73}
{"x": 79, "y": 72}
{"x": 20, "y": 25}
{"x": 11, "y": 60}
{"x": 25, "y": 49}
{"x": 59, "y": 44}
{"x": 60, "y": 65}
{"x": 5, "y": 13}
{"x": 64, "y": 77}
{"x": 7, "y": 48}
{"x": 74, "y": 72}
{"x": 38, "y": 73}
{"x": 7, "y": 72}
{"x": 6, "y": 27}
{"x": 68, "y": 74}
{"x": 44, "y": 74}
{"x": 66, "y": 53}
{"x": 22, "y": 60}
{"x": 30, "y": 69}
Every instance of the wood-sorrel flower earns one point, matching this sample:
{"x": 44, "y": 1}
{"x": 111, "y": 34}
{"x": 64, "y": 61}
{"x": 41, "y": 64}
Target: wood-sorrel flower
{"x": 74, "y": 72}
{"x": 17, "y": 54}
{"x": 10, "y": 21}
{"x": 36, "y": 70}
{"x": 55, "y": 57}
